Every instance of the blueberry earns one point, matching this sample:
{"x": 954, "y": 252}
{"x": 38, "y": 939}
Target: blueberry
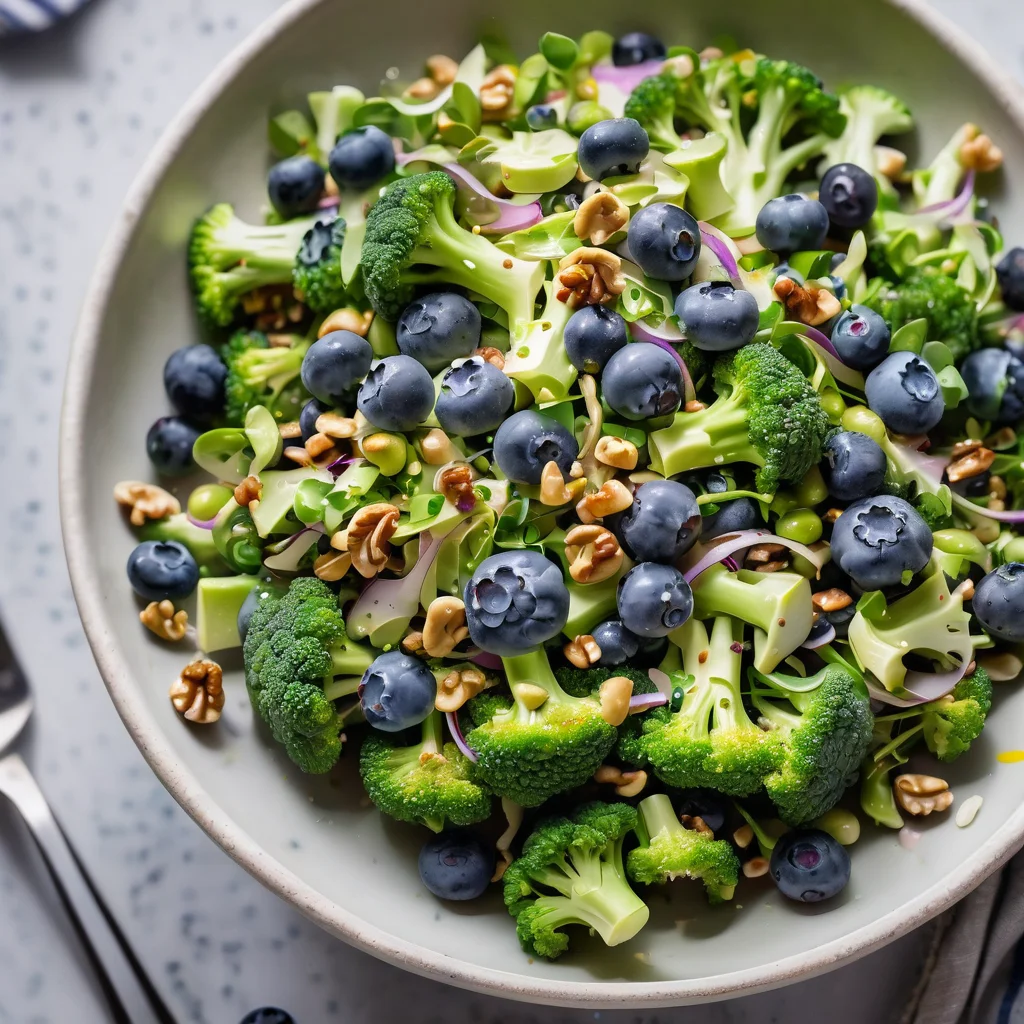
{"x": 876, "y": 540}
{"x": 732, "y": 517}
{"x": 527, "y": 441}
{"x": 861, "y": 337}
{"x": 999, "y": 602}
{"x": 361, "y": 157}
{"x": 1010, "y": 271}
{"x": 456, "y": 865}
{"x": 514, "y": 601}
{"x": 169, "y": 445}
{"x": 295, "y": 186}
{"x": 259, "y": 592}
{"x": 194, "y": 382}
{"x": 792, "y": 223}
{"x": 397, "y": 692}
{"x": 541, "y": 116}
{"x": 334, "y": 364}
{"x": 904, "y": 391}
{"x": 592, "y": 336}
{"x": 995, "y": 385}
{"x": 438, "y": 328}
{"x": 613, "y": 147}
{"x": 619, "y": 646}
{"x": 267, "y": 1015}
{"x": 853, "y": 465}
{"x": 785, "y": 270}
{"x": 849, "y": 195}
{"x": 838, "y": 284}
{"x": 654, "y": 599}
{"x": 635, "y": 48}
{"x": 716, "y": 317}
{"x": 311, "y": 412}
{"x": 661, "y": 525}
{"x": 642, "y": 381}
{"x": 705, "y": 804}
{"x": 161, "y": 570}
{"x": 398, "y": 394}
{"x": 840, "y": 619}
{"x": 474, "y": 398}
{"x": 809, "y": 866}
{"x": 664, "y": 241}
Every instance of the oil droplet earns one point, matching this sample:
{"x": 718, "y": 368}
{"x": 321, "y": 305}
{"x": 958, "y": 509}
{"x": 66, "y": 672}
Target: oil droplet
{"x": 1010, "y": 756}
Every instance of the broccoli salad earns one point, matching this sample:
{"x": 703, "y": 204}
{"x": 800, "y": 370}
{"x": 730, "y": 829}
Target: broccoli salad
{"x": 614, "y": 450}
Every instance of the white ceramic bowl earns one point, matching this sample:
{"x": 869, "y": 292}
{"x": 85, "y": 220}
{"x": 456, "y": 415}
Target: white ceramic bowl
{"x": 314, "y": 841}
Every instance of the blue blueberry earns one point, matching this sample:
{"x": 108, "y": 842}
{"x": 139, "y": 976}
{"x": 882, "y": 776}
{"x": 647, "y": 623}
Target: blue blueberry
{"x": 311, "y": 412}
{"x": 474, "y": 398}
{"x": 541, "y": 116}
{"x": 514, "y": 601}
{"x": 619, "y": 646}
{"x": 861, "y": 337}
{"x": 456, "y": 865}
{"x": 661, "y": 525}
{"x": 809, "y": 866}
{"x": 904, "y": 391}
{"x": 295, "y": 186}
{"x": 876, "y": 540}
{"x": 194, "y": 382}
{"x": 334, "y": 365}
{"x": 705, "y": 804}
{"x": 268, "y": 1015}
{"x": 1010, "y": 271}
{"x": 792, "y": 223}
{"x": 654, "y": 599}
{"x": 592, "y": 336}
{"x": 361, "y": 157}
{"x": 169, "y": 446}
{"x": 160, "y": 570}
{"x": 258, "y": 594}
{"x": 716, "y": 317}
{"x": 999, "y": 602}
{"x": 398, "y": 394}
{"x": 853, "y": 465}
{"x": 849, "y": 195}
{"x": 995, "y": 385}
{"x": 664, "y": 241}
{"x": 642, "y": 381}
{"x": 840, "y": 619}
{"x": 732, "y": 517}
{"x": 613, "y": 147}
{"x": 438, "y": 328}
{"x": 397, "y": 692}
{"x": 635, "y": 48}
{"x": 527, "y": 441}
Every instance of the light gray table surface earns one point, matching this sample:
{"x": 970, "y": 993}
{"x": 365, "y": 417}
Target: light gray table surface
{"x": 79, "y": 109}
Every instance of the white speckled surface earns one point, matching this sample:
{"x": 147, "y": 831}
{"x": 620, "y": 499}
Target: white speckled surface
{"x": 79, "y": 108}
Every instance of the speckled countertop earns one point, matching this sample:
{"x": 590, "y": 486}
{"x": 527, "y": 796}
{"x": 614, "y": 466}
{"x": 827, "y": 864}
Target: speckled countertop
{"x": 79, "y": 109}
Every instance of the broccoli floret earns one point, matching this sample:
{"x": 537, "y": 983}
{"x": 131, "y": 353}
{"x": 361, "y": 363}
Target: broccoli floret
{"x": 545, "y": 742}
{"x": 317, "y": 274}
{"x": 952, "y": 723}
{"x": 412, "y": 238}
{"x": 768, "y": 414}
{"x": 571, "y": 872}
{"x": 427, "y": 783}
{"x": 259, "y": 374}
{"x": 198, "y": 541}
{"x": 585, "y": 682}
{"x": 298, "y": 660}
{"x": 698, "y": 362}
{"x": 668, "y": 851}
{"x": 537, "y": 356}
{"x": 653, "y": 104}
{"x": 825, "y": 733}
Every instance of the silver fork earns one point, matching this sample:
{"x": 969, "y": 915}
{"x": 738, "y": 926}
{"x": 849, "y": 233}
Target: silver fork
{"x": 132, "y": 996}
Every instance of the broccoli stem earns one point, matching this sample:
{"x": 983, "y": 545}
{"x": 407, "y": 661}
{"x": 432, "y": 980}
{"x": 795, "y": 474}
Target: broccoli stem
{"x": 341, "y": 686}
{"x": 533, "y": 670}
{"x": 656, "y": 815}
{"x": 350, "y": 659}
{"x": 698, "y": 440}
{"x": 893, "y": 745}
{"x": 876, "y": 796}
{"x": 718, "y": 661}
{"x": 537, "y": 356}
{"x": 269, "y": 250}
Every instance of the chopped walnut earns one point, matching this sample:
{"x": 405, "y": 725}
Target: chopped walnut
{"x": 593, "y": 552}
{"x": 159, "y": 617}
{"x": 422, "y": 89}
{"x": 695, "y": 823}
{"x": 582, "y": 651}
{"x": 346, "y": 319}
{"x": 492, "y": 355}
{"x": 980, "y": 153}
{"x": 599, "y": 217}
{"x": 298, "y": 455}
{"x": 762, "y": 554}
{"x": 438, "y": 449}
{"x": 456, "y": 484}
{"x": 497, "y": 91}
{"x": 332, "y": 565}
{"x": 412, "y": 643}
{"x": 458, "y": 686}
{"x": 626, "y": 784}
{"x": 969, "y": 464}
{"x": 146, "y": 501}
{"x": 589, "y": 277}
{"x": 318, "y": 444}
{"x": 890, "y": 162}
{"x": 198, "y": 693}
{"x": 341, "y": 428}
{"x": 832, "y": 515}
{"x": 445, "y": 626}
{"x": 442, "y": 69}
{"x": 614, "y": 698}
{"x": 833, "y": 600}
{"x": 694, "y": 405}
{"x": 613, "y": 496}
{"x": 249, "y": 490}
{"x": 291, "y": 431}
{"x": 368, "y": 536}
{"x": 617, "y": 452}
{"x": 743, "y": 836}
{"x": 997, "y": 488}
{"x": 553, "y": 490}
{"x": 808, "y": 303}
{"x": 921, "y": 794}
{"x": 756, "y": 867}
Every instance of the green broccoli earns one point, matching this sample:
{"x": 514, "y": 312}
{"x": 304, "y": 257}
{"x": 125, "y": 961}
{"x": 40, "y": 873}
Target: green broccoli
{"x": 653, "y": 104}
{"x": 668, "y": 851}
{"x": 571, "y": 872}
{"x": 537, "y": 357}
{"x": 427, "y": 783}
{"x": 298, "y": 661}
{"x": 198, "y": 541}
{"x": 585, "y": 682}
{"x": 412, "y": 238}
{"x": 768, "y": 414}
{"x": 317, "y": 273}
{"x": 259, "y": 374}
{"x": 825, "y": 733}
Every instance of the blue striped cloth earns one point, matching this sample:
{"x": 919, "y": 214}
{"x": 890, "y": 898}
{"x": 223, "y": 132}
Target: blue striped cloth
{"x": 34, "y": 15}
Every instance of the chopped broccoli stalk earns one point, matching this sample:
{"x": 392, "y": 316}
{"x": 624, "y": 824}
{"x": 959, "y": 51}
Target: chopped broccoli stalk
{"x": 825, "y": 734}
{"x": 768, "y": 414}
{"x": 537, "y": 355}
{"x": 199, "y": 542}
{"x": 701, "y": 161}
{"x": 259, "y": 374}
{"x": 317, "y": 273}
{"x": 876, "y": 796}
{"x": 427, "y": 783}
{"x": 218, "y": 602}
{"x": 571, "y": 872}
{"x": 668, "y": 851}
{"x": 412, "y": 238}
{"x": 295, "y": 649}
{"x": 653, "y": 104}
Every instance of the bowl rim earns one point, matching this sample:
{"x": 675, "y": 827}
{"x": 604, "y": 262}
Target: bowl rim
{"x": 188, "y": 791}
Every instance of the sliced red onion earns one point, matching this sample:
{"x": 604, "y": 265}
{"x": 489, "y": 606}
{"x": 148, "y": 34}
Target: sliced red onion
{"x": 1009, "y": 515}
{"x": 487, "y": 660}
{"x": 953, "y": 207}
{"x": 662, "y": 680}
{"x": 730, "y": 542}
{"x": 665, "y": 331}
{"x": 822, "y": 632}
{"x": 338, "y": 466}
{"x": 203, "y": 524}
{"x": 328, "y": 203}
{"x": 627, "y": 78}
{"x": 731, "y": 564}
{"x": 291, "y": 552}
{"x": 880, "y": 695}
{"x": 709, "y": 237}
{"x": 460, "y": 741}
{"x": 923, "y": 687}
{"x": 842, "y": 373}
{"x": 640, "y": 702}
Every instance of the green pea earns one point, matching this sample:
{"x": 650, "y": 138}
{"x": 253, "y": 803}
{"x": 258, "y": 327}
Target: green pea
{"x": 584, "y": 115}
{"x": 962, "y": 542}
{"x": 841, "y": 825}
{"x": 863, "y": 420}
{"x": 801, "y": 525}
{"x": 207, "y": 500}
{"x": 811, "y": 490}
{"x": 833, "y": 404}
{"x": 783, "y": 502}
{"x": 386, "y": 451}
{"x": 1014, "y": 550}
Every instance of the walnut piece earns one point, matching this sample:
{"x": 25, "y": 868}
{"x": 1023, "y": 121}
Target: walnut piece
{"x": 445, "y": 626}
{"x": 626, "y": 783}
{"x": 438, "y": 449}
{"x": 695, "y": 823}
{"x": 198, "y": 693}
{"x": 332, "y": 565}
{"x": 808, "y": 303}
{"x": 583, "y": 651}
{"x": 496, "y": 92}
{"x": 460, "y": 685}
{"x": 970, "y": 463}
{"x": 492, "y": 355}
{"x": 319, "y": 444}
{"x": 833, "y": 600}
{"x": 599, "y": 217}
{"x": 614, "y": 698}
{"x": 298, "y": 455}
{"x": 339, "y": 427}
{"x": 617, "y": 452}
{"x": 442, "y": 69}
{"x": 593, "y": 552}
{"x": 456, "y": 484}
{"x": 159, "y": 617}
{"x": 921, "y": 794}
{"x": 249, "y": 490}
{"x": 553, "y": 490}
{"x": 146, "y": 501}
{"x": 422, "y": 89}
{"x": 613, "y": 496}
{"x": 756, "y": 867}
{"x": 589, "y": 277}
{"x": 890, "y": 162}
{"x": 980, "y": 153}
{"x": 368, "y": 537}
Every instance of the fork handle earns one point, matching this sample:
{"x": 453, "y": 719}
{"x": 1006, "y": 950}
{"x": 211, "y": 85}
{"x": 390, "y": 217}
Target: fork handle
{"x": 96, "y": 931}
